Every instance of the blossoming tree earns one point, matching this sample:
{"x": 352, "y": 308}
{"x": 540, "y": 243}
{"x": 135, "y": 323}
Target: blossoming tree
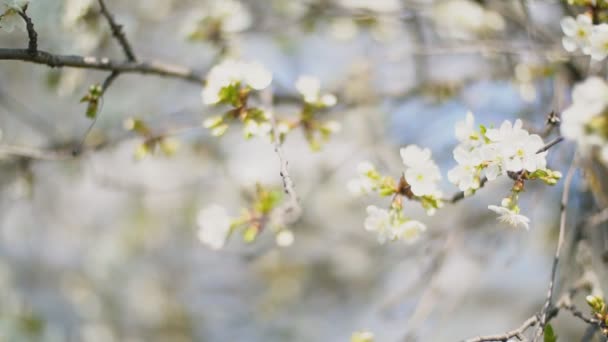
{"x": 551, "y": 152}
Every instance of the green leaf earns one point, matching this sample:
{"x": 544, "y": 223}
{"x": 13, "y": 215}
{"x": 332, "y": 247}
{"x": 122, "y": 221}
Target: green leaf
{"x": 549, "y": 334}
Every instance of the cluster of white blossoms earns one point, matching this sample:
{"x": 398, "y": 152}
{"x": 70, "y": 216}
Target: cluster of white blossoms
{"x": 9, "y": 14}
{"x": 586, "y": 121}
{"x": 492, "y": 152}
{"x": 390, "y": 225}
{"x": 581, "y": 33}
{"x": 419, "y": 182}
{"x": 233, "y": 73}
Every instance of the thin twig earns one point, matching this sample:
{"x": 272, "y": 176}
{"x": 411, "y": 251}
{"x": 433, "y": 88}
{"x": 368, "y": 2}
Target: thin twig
{"x": 32, "y": 35}
{"x": 551, "y": 144}
{"x": 292, "y": 209}
{"x": 560, "y": 242}
{"x": 117, "y": 32}
{"x": 530, "y": 322}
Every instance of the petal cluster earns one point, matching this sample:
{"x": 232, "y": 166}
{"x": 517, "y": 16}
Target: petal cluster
{"x": 492, "y": 152}
{"x": 214, "y": 226}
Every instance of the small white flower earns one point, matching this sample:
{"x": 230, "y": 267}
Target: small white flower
{"x": 214, "y": 226}
{"x": 360, "y": 186}
{"x": 589, "y": 100}
{"x": 363, "y": 184}
{"x": 465, "y": 174}
{"x": 379, "y": 221}
{"x": 421, "y": 172}
{"x": 231, "y": 72}
{"x": 310, "y": 89}
{"x": 507, "y": 132}
{"x": 510, "y": 216}
{"x": 285, "y": 238}
{"x": 525, "y": 156}
{"x": 364, "y": 167}
{"x": 577, "y": 33}
{"x": 409, "y": 231}
{"x": 256, "y": 75}
{"x": 255, "y": 129}
{"x": 464, "y": 130}
{"x": 10, "y": 18}
{"x": 599, "y": 42}
{"x": 234, "y": 16}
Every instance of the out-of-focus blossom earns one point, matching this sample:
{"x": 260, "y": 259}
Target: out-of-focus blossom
{"x": 584, "y": 120}
{"x": 310, "y": 88}
{"x": 465, "y": 17}
{"x": 510, "y": 216}
{"x": 362, "y": 184}
{"x": 231, "y": 73}
{"x": 214, "y": 226}
{"x": 599, "y": 42}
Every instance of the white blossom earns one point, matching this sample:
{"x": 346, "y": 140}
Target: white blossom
{"x": 214, "y": 226}
{"x": 409, "y": 231}
{"x": 421, "y": 172}
{"x": 465, "y": 130}
{"x": 285, "y": 238}
{"x": 310, "y": 88}
{"x": 10, "y": 18}
{"x": 510, "y": 216}
{"x": 577, "y": 33}
{"x": 390, "y": 228}
{"x": 517, "y": 147}
{"x": 231, "y": 72}
{"x": 599, "y": 42}
{"x": 362, "y": 184}
{"x": 234, "y": 16}
{"x": 507, "y": 148}
{"x": 379, "y": 221}
{"x": 465, "y": 174}
{"x": 582, "y": 121}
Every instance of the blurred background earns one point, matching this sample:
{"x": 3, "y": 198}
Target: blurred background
{"x": 104, "y": 247}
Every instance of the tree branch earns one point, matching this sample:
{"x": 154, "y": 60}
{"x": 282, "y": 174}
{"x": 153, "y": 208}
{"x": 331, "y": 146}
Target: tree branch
{"x": 32, "y": 35}
{"x": 104, "y": 64}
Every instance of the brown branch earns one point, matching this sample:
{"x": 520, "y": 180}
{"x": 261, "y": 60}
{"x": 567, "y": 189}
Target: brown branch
{"x": 117, "y": 32}
{"x": 104, "y": 64}
{"x": 32, "y": 35}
